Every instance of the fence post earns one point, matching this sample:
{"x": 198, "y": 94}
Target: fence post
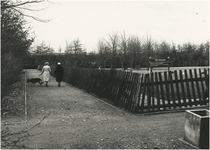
{"x": 144, "y": 91}
{"x": 172, "y": 89}
{"x": 193, "y": 88}
{"x": 162, "y": 92}
{"x": 169, "y": 63}
{"x": 188, "y": 88}
{"x": 197, "y": 85}
{"x": 167, "y": 89}
{"x": 177, "y": 88}
{"x": 157, "y": 91}
{"x": 140, "y": 90}
{"x": 148, "y": 92}
{"x": 202, "y": 86}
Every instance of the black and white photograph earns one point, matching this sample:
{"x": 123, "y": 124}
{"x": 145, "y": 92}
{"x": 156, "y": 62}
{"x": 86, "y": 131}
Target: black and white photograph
{"x": 105, "y": 74}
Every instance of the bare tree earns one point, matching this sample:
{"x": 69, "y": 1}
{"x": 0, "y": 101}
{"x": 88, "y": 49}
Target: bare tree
{"x": 22, "y": 7}
{"x": 124, "y": 49}
{"x": 77, "y": 49}
{"x": 148, "y": 49}
{"x": 163, "y": 49}
{"x": 43, "y": 49}
{"x": 104, "y": 53}
{"x": 101, "y": 50}
{"x": 148, "y": 45}
{"x": 113, "y": 44}
{"x": 135, "y": 49}
{"x": 76, "y": 46}
{"x": 16, "y": 4}
{"x": 69, "y": 48}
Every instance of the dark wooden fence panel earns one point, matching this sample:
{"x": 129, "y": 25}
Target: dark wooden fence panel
{"x": 140, "y": 93}
{"x": 167, "y": 90}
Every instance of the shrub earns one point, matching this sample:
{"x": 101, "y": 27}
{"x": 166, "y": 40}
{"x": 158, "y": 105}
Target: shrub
{"x": 10, "y": 72}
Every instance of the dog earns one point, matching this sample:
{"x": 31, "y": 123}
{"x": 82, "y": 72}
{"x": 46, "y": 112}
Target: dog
{"x": 35, "y": 80}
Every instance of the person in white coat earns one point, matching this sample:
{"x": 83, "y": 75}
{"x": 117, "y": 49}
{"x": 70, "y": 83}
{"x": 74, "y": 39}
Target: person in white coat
{"x": 46, "y": 73}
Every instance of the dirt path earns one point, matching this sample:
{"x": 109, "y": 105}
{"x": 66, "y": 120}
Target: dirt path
{"x": 74, "y": 119}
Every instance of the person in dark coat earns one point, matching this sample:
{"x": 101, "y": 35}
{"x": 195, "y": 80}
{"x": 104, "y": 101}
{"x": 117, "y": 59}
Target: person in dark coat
{"x": 59, "y": 73}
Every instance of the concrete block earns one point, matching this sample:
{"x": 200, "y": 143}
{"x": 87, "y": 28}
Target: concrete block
{"x": 196, "y": 128}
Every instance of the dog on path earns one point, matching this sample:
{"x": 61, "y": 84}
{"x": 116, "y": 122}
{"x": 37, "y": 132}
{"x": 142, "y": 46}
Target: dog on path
{"x": 35, "y": 80}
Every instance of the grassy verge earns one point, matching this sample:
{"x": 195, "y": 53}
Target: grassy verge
{"x": 13, "y": 104}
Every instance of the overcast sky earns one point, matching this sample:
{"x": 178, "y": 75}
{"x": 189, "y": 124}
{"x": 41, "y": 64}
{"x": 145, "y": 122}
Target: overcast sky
{"x": 173, "y": 21}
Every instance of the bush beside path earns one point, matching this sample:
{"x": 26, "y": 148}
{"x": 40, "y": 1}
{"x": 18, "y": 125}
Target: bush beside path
{"x": 68, "y": 118}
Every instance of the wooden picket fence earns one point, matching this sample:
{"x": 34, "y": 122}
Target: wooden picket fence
{"x": 143, "y": 93}
{"x": 173, "y": 90}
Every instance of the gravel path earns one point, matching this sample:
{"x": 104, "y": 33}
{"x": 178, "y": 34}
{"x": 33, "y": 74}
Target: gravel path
{"x": 68, "y": 118}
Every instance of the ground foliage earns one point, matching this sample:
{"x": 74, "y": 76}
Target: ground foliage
{"x": 13, "y": 103}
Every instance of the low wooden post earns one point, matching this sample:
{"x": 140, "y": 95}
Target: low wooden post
{"x": 169, "y": 63}
{"x": 150, "y": 66}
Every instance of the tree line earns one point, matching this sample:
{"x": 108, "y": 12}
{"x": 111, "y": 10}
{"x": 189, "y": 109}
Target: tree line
{"x": 133, "y": 51}
{"x": 123, "y": 51}
{"x": 15, "y": 41}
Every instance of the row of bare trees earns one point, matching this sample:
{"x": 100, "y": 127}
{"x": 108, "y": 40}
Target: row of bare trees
{"x": 120, "y": 50}
{"x": 123, "y": 51}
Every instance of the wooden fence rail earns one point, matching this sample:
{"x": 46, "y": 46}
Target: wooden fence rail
{"x": 166, "y": 91}
{"x": 140, "y": 93}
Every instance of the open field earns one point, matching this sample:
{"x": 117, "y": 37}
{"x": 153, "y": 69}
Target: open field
{"x": 162, "y": 69}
